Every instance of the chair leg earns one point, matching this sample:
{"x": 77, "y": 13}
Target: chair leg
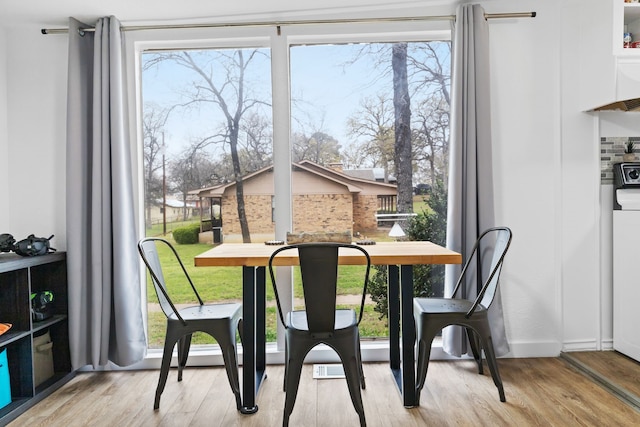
{"x": 292, "y": 382}
{"x": 169, "y": 343}
{"x": 183, "y": 353}
{"x": 425, "y": 339}
{"x": 475, "y": 348}
{"x": 363, "y": 385}
{"x": 353, "y": 374}
{"x": 231, "y": 365}
{"x": 229, "y": 352}
{"x": 286, "y": 365}
{"x": 293, "y": 369}
{"x": 487, "y": 344}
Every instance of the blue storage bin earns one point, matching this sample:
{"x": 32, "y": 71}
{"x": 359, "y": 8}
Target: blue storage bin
{"x": 5, "y": 383}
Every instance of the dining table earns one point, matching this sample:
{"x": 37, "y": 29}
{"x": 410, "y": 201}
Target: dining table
{"x": 398, "y": 256}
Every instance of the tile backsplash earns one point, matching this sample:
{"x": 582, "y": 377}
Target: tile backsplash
{"x": 611, "y": 150}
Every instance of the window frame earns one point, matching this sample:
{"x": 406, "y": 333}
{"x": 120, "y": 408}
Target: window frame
{"x": 279, "y": 40}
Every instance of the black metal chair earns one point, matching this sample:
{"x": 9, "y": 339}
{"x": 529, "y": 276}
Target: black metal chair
{"x": 321, "y": 321}
{"x": 433, "y": 314}
{"x": 221, "y": 321}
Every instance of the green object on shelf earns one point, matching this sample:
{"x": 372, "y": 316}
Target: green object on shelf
{"x": 44, "y": 297}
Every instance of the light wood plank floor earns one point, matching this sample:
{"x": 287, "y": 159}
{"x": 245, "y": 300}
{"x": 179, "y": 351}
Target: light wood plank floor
{"x": 614, "y": 371}
{"x": 544, "y": 392}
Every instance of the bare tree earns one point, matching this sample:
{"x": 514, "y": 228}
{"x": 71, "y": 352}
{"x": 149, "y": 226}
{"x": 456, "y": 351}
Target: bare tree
{"x": 192, "y": 169}
{"x": 415, "y": 68}
{"x": 256, "y": 142}
{"x": 220, "y": 80}
{"x": 402, "y": 114}
{"x": 431, "y": 68}
{"x": 431, "y": 136}
{"x": 373, "y": 124}
{"x": 318, "y": 147}
{"x": 153, "y": 125}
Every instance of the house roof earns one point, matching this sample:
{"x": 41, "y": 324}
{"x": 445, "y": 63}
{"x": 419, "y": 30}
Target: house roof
{"x": 373, "y": 174}
{"x": 352, "y": 184}
{"x": 173, "y": 203}
{"x": 361, "y": 176}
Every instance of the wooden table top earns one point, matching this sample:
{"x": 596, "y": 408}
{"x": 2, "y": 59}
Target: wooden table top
{"x": 382, "y": 253}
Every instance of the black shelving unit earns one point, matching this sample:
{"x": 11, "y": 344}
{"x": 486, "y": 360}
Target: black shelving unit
{"x": 19, "y": 277}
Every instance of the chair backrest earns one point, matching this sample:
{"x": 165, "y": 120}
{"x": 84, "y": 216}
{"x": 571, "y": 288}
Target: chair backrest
{"x": 319, "y": 274}
{"x": 492, "y": 245}
{"x": 148, "y": 249}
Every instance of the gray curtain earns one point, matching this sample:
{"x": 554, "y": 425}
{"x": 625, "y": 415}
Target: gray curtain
{"x": 471, "y": 202}
{"x": 105, "y": 316}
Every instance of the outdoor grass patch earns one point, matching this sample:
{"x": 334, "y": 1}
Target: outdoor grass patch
{"x": 371, "y": 326}
{"x": 158, "y": 324}
{"x": 220, "y": 284}
{"x": 225, "y": 283}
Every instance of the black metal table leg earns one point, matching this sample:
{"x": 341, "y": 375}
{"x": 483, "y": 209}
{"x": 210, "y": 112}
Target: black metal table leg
{"x": 393, "y": 304}
{"x": 402, "y": 330}
{"x": 261, "y": 327}
{"x": 408, "y": 337}
{"x": 249, "y": 341}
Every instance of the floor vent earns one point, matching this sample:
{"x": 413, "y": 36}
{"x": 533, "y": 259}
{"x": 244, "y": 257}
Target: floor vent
{"x": 323, "y": 371}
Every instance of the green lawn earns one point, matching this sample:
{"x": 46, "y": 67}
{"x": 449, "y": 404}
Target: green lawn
{"x": 217, "y": 284}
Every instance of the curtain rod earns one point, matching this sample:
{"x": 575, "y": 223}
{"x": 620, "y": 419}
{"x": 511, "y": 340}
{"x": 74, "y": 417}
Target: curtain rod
{"x": 289, "y": 23}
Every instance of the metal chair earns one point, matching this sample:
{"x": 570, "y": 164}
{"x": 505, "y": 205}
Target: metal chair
{"x": 320, "y": 321}
{"x": 433, "y": 314}
{"x": 221, "y": 321}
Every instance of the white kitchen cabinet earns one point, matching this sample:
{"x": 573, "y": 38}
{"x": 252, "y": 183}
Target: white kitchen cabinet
{"x": 626, "y": 19}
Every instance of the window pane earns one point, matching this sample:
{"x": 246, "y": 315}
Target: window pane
{"x": 349, "y": 105}
{"x": 207, "y": 154}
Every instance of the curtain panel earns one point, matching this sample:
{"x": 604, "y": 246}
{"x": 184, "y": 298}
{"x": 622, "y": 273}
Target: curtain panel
{"x": 470, "y": 200}
{"x": 105, "y": 315}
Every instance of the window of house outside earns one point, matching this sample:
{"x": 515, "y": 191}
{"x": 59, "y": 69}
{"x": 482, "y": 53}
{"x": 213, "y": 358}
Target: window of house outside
{"x": 222, "y": 119}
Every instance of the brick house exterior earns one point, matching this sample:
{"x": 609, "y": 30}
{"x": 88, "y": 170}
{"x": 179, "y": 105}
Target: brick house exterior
{"x": 323, "y": 199}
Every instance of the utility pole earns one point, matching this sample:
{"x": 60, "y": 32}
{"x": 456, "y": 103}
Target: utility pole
{"x": 164, "y": 189}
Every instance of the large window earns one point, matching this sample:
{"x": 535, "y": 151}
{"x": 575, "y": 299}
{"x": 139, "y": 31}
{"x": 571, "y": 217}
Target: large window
{"x": 221, "y": 121}
{"x": 347, "y": 101}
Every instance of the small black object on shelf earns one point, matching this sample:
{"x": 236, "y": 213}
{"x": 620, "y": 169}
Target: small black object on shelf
{"x": 41, "y": 305}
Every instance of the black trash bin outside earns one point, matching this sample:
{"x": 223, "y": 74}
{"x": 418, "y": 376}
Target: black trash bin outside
{"x": 217, "y": 234}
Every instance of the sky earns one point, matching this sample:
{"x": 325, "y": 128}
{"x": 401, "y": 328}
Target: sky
{"x": 321, "y": 85}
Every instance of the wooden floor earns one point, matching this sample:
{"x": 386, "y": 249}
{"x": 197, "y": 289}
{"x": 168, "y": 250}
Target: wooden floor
{"x": 616, "y": 372}
{"x": 545, "y": 392}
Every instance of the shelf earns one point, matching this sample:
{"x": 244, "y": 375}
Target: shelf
{"x": 626, "y": 19}
{"x": 11, "y": 261}
{"x": 631, "y": 11}
{"x": 12, "y": 336}
{"x": 38, "y": 326}
{"x": 19, "y": 278}
{"x": 14, "y": 405}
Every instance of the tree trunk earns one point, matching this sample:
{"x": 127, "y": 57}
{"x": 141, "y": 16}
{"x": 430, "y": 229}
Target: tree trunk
{"x": 402, "y": 109}
{"x": 237, "y": 174}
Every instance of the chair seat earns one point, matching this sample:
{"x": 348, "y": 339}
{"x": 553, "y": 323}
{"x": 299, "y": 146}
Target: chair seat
{"x": 444, "y": 305}
{"x": 345, "y": 318}
{"x": 215, "y": 311}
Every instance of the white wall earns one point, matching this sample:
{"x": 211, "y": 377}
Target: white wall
{"x": 578, "y": 225}
{"x": 545, "y": 159}
{"x": 4, "y": 143}
{"x": 36, "y": 99}
{"x": 526, "y": 133}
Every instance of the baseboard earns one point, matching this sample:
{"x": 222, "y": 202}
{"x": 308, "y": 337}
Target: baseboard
{"x": 372, "y": 351}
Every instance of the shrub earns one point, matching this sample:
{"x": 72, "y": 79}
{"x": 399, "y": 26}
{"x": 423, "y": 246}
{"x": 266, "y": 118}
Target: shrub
{"x": 187, "y": 235}
{"x": 431, "y": 225}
